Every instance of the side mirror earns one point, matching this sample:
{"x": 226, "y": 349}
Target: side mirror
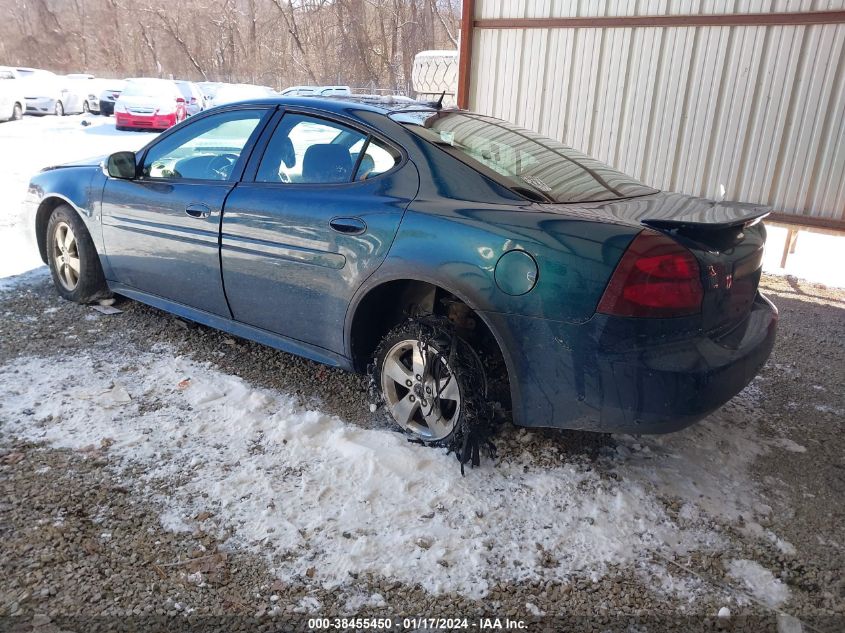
{"x": 121, "y": 165}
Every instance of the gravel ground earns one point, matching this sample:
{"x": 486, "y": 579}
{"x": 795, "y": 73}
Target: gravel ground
{"x": 80, "y": 548}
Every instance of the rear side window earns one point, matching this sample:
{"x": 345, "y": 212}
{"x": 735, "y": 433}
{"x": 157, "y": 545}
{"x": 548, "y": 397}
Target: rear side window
{"x": 377, "y": 158}
{"x": 309, "y": 150}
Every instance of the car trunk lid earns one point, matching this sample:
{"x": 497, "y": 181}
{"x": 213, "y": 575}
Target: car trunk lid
{"x": 726, "y": 238}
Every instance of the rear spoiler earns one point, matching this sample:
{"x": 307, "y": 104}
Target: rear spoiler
{"x": 719, "y": 216}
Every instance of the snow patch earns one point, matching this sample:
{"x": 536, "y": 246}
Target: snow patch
{"x": 788, "y": 445}
{"x": 324, "y": 499}
{"x": 759, "y": 581}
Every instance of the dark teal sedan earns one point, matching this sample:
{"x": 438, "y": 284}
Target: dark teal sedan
{"x": 468, "y": 262}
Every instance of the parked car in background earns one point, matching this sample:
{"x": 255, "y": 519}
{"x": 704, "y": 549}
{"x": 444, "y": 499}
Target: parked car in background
{"x": 467, "y": 260}
{"x": 43, "y": 91}
{"x": 109, "y": 94}
{"x": 12, "y": 100}
{"x": 231, "y": 93}
{"x": 209, "y": 89}
{"x": 194, "y": 98}
{"x": 76, "y": 89}
{"x": 149, "y": 104}
{"x": 320, "y": 91}
{"x": 92, "y": 95}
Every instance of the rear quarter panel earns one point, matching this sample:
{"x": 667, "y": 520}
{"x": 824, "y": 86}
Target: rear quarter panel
{"x": 459, "y": 248}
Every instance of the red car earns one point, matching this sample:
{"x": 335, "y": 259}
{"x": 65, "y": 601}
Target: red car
{"x": 149, "y": 104}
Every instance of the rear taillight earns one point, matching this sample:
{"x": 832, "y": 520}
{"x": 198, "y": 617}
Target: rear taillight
{"x": 656, "y": 277}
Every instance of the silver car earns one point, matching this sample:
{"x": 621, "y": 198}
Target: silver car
{"x": 194, "y": 98}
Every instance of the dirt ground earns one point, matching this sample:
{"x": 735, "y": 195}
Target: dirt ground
{"x": 83, "y": 544}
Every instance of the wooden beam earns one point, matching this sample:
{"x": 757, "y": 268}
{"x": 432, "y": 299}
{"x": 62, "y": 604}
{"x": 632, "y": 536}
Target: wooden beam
{"x": 635, "y": 21}
{"x": 789, "y": 245}
{"x": 835, "y": 225}
{"x": 465, "y": 53}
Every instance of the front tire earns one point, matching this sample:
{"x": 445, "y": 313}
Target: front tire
{"x": 72, "y": 257}
{"x": 59, "y": 109}
{"x": 434, "y": 385}
{"x": 86, "y": 109}
{"x": 17, "y": 112}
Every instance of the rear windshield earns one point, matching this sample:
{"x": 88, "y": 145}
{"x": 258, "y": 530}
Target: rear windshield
{"x": 149, "y": 89}
{"x": 521, "y": 159}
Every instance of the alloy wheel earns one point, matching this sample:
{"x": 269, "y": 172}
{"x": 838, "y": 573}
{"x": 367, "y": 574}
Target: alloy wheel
{"x": 17, "y": 113}
{"x": 420, "y": 390}
{"x": 66, "y": 256}
{"x": 60, "y": 109}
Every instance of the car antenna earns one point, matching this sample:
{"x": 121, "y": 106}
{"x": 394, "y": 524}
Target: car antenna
{"x": 439, "y": 104}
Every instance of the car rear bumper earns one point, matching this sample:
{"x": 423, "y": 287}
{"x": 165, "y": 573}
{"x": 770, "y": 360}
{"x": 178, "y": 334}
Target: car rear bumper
{"x": 142, "y": 122}
{"x": 567, "y": 376}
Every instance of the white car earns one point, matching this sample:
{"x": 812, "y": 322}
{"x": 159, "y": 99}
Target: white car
{"x": 12, "y": 100}
{"x": 43, "y": 91}
{"x": 319, "y": 91}
{"x": 231, "y": 93}
{"x": 194, "y": 98}
{"x": 77, "y": 89}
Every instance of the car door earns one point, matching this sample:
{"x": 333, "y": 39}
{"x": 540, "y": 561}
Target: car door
{"x": 161, "y": 229}
{"x": 315, "y": 219}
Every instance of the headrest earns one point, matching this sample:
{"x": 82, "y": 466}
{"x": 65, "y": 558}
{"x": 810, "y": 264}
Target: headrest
{"x": 326, "y": 162}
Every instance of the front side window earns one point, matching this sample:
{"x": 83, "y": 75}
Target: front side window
{"x": 207, "y": 149}
{"x": 540, "y": 167}
{"x": 310, "y": 150}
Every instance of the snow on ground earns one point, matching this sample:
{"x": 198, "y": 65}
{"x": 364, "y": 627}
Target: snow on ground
{"x": 325, "y": 499}
{"x": 317, "y": 494}
{"x": 759, "y": 581}
{"x": 28, "y": 145}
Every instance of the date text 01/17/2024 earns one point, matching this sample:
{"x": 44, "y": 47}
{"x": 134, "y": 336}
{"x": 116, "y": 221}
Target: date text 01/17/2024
{"x": 417, "y": 623}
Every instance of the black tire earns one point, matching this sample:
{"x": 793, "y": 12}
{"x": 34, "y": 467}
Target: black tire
{"x": 90, "y": 282}
{"x": 473, "y": 423}
{"x": 86, "y": 109}
{"x": 59, "y": 109}
{"x": 17, "y": 112}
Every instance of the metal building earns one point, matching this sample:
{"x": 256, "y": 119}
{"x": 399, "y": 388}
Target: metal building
{"x": 741, "y": 99}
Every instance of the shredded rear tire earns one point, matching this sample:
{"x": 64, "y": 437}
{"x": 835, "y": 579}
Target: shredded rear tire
{"x": 439, "y": 347}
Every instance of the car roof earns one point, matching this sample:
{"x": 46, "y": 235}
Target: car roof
{"x": 340, "y": 103}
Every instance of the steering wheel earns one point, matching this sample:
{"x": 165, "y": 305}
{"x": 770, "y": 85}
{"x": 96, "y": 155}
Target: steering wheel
{"x": 221, "y": 165}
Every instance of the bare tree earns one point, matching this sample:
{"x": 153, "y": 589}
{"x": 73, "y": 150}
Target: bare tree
{"x": 367, "y": 44}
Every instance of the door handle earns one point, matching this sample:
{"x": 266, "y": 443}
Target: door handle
{"x": 348, "y": 226}
{"x": 198, "y": 210}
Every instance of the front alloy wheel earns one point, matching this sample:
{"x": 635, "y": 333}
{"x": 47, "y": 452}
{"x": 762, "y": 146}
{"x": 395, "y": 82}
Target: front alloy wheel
{"x": 66, "y": 256}
{"x": 60, "y": 109}
{"x": 72, "y": 257}
{"x": 420, "y": 390}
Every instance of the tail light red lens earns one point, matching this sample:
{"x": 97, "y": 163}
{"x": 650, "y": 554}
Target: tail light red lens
{"x": 656, "y": 277}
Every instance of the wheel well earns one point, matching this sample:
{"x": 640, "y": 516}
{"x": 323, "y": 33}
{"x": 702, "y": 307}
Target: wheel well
{"x": 389, "y": 304}
{"x": 42, "y": 218}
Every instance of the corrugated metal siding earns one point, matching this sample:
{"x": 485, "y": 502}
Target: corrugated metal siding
{"x": 757, "y": 110}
